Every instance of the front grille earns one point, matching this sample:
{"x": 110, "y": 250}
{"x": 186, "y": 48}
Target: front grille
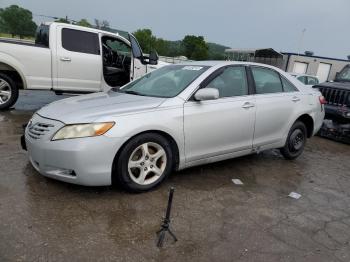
{"x": 37, "y": 130}
{"x": 335, "y": 96}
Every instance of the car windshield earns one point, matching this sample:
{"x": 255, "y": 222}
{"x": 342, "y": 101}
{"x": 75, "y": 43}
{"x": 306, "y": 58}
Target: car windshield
{"x": 167, "y": 81}
{"x": 344, "y": 75}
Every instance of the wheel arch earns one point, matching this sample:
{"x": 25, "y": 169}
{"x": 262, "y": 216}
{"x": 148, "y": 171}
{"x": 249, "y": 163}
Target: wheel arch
{"x": 173, "y": 143}
{"x": 308, "y": 121}
{"x": 11, "y": 69}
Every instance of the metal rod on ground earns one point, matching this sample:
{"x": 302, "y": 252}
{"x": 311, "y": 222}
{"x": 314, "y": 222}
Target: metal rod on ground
{"x": 166, "y": 222}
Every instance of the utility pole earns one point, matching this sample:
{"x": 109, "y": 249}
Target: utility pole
{"x": 301, "y": 40}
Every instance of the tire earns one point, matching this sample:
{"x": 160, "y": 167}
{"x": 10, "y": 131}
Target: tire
{"x": 143, "y": 163}
{"x": 9, "y": 98}
{"x": 296, "y": 141}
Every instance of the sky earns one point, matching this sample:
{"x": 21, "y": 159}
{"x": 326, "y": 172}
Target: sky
{"x": 235, "y": 23}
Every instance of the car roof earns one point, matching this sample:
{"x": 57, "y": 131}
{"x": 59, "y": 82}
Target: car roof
{"x": 87, "y": 29}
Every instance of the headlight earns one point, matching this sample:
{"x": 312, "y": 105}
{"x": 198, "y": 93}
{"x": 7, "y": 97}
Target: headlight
{"x": 82, "y": 130}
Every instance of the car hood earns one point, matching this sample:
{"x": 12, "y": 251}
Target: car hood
{"x": 88, "y": 108}
{"x": 339, "y": 85}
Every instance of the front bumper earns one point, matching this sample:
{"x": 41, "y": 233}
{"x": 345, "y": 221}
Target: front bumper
{"x": 85, "y": 161}
{"x": 340, "y": 113}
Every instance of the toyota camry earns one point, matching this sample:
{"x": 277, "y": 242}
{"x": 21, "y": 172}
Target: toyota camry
{"x": 170, "y": 119}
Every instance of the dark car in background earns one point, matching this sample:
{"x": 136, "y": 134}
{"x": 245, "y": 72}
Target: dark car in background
{"x": 337, "y": 107}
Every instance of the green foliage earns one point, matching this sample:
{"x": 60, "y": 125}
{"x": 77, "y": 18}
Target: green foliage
{"x": 17, "y": 21}
{"x": 216, "y": 51}
{"x": 149, "y": 42}
{"x": 84, "y": 22}
{"x": 62, "y": 20}
{"x": 103, "y": 25}
{"x": 195, "y": 47}
{"x": 146, "y": 39}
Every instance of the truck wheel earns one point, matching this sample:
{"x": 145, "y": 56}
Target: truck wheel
{"x": 295, "y": 141}
{"x": 8, "y": 92}
{"x": 144, "y": 162}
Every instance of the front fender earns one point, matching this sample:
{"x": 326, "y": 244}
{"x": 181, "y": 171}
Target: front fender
{"x": 167, "y": 120}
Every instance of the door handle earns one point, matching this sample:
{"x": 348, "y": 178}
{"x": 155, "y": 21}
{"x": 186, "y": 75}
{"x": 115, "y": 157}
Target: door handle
{"x": 295, "y": 99}
{"x": 247, "y": 105}
{"x": 65, "y": 59}
{"x": 137, "y": 68}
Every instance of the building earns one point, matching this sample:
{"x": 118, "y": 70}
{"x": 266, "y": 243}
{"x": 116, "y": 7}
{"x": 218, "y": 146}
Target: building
{"x": 323, "y": 67}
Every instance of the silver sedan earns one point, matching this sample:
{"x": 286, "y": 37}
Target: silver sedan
{"x": 170, "y": 119}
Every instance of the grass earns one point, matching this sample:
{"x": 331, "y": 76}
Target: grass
{"x": 17, "y": 37}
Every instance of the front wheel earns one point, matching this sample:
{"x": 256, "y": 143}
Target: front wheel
{"x": 8, "y": 92}
{"x": 295, "y": 141}
{"x": 144, "y": 162}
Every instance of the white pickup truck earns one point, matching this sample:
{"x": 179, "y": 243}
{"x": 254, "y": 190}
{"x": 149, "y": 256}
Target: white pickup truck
{"x": 70, "y": 59}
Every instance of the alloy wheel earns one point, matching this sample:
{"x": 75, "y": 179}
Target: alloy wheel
{"x": 5, "y": 91}
{"x": 147, "y": 163}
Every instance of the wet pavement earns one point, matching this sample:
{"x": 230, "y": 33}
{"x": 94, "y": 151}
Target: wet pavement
{"x": 214, "y": 219}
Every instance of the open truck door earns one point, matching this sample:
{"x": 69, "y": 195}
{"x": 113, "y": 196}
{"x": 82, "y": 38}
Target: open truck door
{"x": 140, "y": 62}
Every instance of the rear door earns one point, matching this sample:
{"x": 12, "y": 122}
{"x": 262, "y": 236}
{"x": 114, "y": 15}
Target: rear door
{"x": 79, "y": 63}
{"x": 222, "y": 126}
{"x": 276, "y": 106}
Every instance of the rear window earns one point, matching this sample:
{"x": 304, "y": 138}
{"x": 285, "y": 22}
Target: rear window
{"x": 42, "y": 35}
{"x": 80, "y": 41}
{"x": 288, "y": 86}
{"x": 312, "y": 80}
{"x": 266, "y": 81}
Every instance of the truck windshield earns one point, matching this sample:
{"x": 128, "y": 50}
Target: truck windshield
{"x": 344, "y": 75}
{"x": 167, "y": 81}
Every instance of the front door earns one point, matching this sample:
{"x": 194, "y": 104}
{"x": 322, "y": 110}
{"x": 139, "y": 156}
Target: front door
{"x": 79, "y": 63}
{"x": 222, "y": 126}
{"x": 138, "y": 65}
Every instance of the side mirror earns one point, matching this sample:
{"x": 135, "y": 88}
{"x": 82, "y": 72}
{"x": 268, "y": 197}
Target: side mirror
{"x": 153, "y": 58}
{"x": 206, "y": 94}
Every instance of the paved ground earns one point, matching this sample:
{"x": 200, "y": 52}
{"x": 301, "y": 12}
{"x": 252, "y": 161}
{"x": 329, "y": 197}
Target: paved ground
{"x": 215, "y": 220}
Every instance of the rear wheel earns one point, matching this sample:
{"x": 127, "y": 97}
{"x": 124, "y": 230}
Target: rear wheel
{"x": 296, "y": 141}
{"x": 144, "y": 162}
{"x": 8, "y": 92}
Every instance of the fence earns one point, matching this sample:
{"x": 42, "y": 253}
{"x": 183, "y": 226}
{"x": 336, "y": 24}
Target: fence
{"x": 173, "y": 60}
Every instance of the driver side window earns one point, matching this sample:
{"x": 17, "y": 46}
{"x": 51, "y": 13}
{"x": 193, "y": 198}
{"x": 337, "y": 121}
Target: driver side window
{"x": 231, "y": 82}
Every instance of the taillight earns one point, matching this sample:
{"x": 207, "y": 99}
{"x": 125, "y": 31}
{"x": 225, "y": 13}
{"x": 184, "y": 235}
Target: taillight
{"x": 322, "y": 100}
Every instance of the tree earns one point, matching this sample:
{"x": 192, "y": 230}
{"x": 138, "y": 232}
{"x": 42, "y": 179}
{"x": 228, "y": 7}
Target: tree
{"x": 17, "y": 21}
{"x": 62, "y": 20}
{"x": 161, "y": 46}
{"x": 146, "y": 39}
{"x": 103, "y": 25}
{"x": 195, "y": 47}
{"x": 348, "y": 57}
{"x": 84, "y": 22}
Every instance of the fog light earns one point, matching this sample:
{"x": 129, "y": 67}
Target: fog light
{"x": 62, "y": 172}
{"x": 348, "y": 114}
